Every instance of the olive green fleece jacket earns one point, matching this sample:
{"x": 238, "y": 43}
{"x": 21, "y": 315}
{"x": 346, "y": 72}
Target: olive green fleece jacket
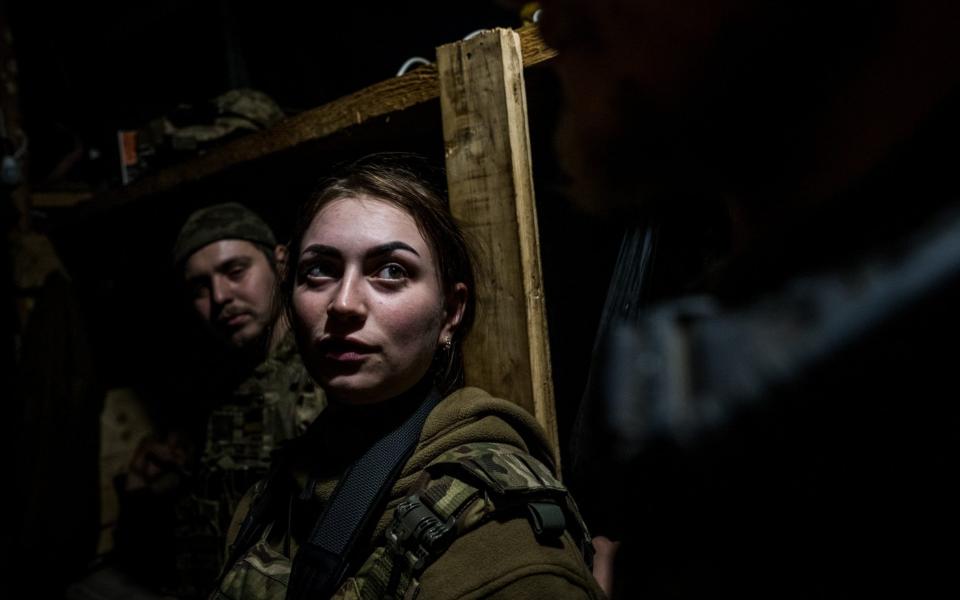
{"x": 498, "y": 559}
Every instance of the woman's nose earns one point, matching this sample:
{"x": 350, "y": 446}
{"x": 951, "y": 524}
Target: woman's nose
{"x": 349, "y": 300}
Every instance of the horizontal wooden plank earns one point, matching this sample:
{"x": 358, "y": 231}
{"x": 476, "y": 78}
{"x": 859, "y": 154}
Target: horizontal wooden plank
{"x": 379, "y": 99}
{"x": 532, "y": 47}
{"x": 58, "y": 199}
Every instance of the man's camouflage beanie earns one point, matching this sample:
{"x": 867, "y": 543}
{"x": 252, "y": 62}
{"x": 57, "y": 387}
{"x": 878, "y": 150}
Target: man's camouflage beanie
{"x": 227, "y": 221}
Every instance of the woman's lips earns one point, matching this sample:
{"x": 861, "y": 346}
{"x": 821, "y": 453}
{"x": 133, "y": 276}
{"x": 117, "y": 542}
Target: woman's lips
{"x": 345, "y": 350}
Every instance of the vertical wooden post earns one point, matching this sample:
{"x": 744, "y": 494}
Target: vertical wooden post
{"x": 484, "y": 106}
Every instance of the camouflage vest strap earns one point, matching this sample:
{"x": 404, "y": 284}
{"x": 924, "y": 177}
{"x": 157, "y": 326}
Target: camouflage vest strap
{"x": 501, "y": 468}
{"x": 461, "y": 490}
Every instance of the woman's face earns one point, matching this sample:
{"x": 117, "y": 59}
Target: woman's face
{"x": 369, "y": 306}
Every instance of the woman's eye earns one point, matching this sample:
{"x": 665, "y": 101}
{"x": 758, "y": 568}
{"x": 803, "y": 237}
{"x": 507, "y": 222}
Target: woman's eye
{"x": 391, "y": 271}
{"x": 318, "y": 271}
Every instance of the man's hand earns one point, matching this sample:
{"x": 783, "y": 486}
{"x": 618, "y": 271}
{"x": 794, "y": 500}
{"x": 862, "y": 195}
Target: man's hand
{"x": 605, "y": 551}
{"x": 156, "y": 463}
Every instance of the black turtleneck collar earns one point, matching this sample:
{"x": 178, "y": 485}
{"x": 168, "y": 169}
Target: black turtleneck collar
{"x": 343, "y": 432}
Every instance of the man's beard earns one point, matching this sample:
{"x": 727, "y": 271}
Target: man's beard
{"x": 251, "y": 339}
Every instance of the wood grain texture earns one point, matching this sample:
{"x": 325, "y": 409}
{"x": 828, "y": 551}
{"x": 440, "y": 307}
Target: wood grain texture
{"x": 534, "y": 49}
{"x": 487, "y": 149}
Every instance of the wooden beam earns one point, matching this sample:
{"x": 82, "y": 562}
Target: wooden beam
{"x": 487, "y": 145}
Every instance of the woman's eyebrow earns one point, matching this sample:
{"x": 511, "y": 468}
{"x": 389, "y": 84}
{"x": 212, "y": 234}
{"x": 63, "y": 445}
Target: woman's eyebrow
{"x": 320, "y": 250}
{"x": 390, "y": 247}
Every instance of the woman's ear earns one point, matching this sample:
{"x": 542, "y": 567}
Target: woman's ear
{"x": 456, "y": 304}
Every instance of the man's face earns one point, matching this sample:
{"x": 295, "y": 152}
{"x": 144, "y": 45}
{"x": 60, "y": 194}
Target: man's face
{"x": 231, "y": 286}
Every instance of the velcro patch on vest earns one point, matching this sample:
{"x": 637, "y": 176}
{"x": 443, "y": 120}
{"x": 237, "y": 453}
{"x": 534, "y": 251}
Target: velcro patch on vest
{"x": 447, "y": 495}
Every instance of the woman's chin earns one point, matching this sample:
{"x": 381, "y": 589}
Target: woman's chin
{"x": 353, "y": 390}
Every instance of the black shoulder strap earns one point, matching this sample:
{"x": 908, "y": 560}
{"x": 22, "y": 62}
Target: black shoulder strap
{"x": 323, "y": 561}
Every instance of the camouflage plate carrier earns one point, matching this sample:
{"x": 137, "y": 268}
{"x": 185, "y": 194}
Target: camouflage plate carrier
{"x": 276, "y": 403}
{"x": 458, "y": 492}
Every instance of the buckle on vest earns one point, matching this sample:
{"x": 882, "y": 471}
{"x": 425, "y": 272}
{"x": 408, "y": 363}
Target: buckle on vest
{"x": 547, "y": 519}
{"x": 417, "y": 533}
